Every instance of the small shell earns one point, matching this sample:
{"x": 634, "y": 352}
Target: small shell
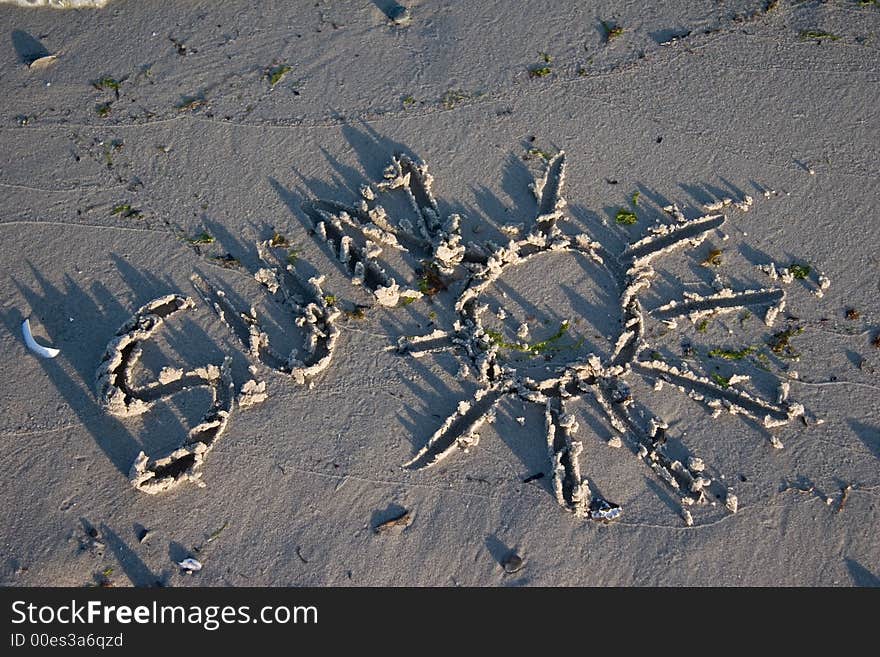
{"x": 43, "y": 62}
{"x": 38, "y": 349}
{"x": 190, "y": 565}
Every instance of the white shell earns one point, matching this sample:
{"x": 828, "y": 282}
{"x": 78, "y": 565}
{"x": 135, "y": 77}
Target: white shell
{"x": 43, "y": 62}
{"x": 33, "y": 345}
{"x": 190, "y": 564}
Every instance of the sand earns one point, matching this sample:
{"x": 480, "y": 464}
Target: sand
{"x": 159, "y": 121}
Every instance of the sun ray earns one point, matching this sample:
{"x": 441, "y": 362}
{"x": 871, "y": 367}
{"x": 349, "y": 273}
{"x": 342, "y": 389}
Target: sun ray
{"x": 459, "y": 431}
{"x": 696, "y": 306}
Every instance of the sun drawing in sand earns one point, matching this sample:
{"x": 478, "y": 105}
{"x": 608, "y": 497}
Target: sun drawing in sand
{"x": 357, "y": 235}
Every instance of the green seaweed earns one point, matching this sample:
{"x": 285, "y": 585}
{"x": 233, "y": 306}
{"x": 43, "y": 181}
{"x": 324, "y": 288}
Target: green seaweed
{"x": 107, "y": 83}
{"x": 818, "y": 34}
{"x": 125, "y": 210}
{"x": 543, "y": 345}
{"x": 703, "y": 326}
{"x": 276, "y": 74}
{"x": 537, "y": 348}
{"x": 202, "y": 238}
{"x": 799, "y": 271}
{"x": 278, "y": 241}
{"x": 625, "y": 217}
{"x": 611, "y": 31}
{"x": 497, "y": 339}
{"x": 109, "y": 149}
{"x": 763, "y": 361}
{"x": 358, "y": 312}
{"x": 103, "y": 109}
{"x": 724, "y": 382}
{"x": 408, "y": 101}
{"x": 330, "y": 299}
{"x": 452, "y": 97}
{"x": 539, "y": 71}
{"x": 537, "y": 152}
{"x": 430, "y": 282}
{"x": 635, "y": 198}
{"x": 780, "y": 342}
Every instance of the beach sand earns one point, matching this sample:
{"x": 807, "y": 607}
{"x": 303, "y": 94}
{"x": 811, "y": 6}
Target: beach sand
{"x": 159, "y": 121}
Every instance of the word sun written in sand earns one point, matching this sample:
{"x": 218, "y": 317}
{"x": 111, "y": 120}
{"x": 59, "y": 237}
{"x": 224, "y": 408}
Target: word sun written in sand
{"x": 356, "y": 235}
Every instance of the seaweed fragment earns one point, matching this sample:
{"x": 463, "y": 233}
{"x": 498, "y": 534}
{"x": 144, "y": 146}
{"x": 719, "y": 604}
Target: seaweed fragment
{"x": 539, "y": 71}
{"x": 277, "y": 73}
{"x": 611, "y": 31}
{"x": 278, "y": 241}
{"x": 799, "y": 271}
{"x": 202, "y": 238}
{"x": 452, "y": 98}
{"x": 625, "y": 217}
{"x": 818, "y": 35}
{"x": 780, "y": 342}
{"x": 105, "y": 83}
{"x": 126, "y": 211}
